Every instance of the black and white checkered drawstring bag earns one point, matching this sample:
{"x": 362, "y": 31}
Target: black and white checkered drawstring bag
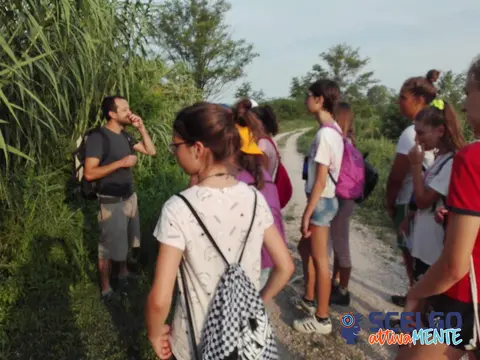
{"x": 237, "y": 325}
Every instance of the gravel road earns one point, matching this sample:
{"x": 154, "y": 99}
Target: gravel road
{"x": 377, "y": 273}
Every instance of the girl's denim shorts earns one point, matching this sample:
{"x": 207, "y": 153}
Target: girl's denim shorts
{"x": 325, "y": 211}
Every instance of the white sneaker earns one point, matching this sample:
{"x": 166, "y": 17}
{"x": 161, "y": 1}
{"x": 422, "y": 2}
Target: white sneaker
{"x": 301, "y": 304}
{"x": 310, "y": 325}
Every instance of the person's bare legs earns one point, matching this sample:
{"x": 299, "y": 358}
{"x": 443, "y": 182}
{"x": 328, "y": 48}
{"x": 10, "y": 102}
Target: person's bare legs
{"x": 122, "y": 269}
{"x": 304, "y": 248}
{"x": 104, "y": 268}
{"x": 319, "y": 246}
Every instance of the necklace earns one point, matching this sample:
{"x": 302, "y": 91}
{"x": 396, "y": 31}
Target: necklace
{"x": 214, "y": 175}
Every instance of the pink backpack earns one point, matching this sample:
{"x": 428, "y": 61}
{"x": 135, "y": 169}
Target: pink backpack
{"x": 351, "y": 180}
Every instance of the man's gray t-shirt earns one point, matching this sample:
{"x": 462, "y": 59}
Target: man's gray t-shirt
{"x": 120, "y": 182}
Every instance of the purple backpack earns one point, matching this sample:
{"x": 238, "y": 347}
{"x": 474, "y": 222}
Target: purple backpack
{"x": 351, "y": 180}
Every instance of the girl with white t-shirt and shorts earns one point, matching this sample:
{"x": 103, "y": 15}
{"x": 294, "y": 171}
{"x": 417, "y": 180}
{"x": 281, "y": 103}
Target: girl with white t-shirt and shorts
{"x": 205, "y": 140}
{"x": 437, "y": 127}
{"x": 324, "y": 162}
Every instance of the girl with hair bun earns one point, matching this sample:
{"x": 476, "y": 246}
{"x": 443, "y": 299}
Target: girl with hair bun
{"x": 416, "y": 93}
{"x": 252, "y": 172}
{"x": 451, "y": 283}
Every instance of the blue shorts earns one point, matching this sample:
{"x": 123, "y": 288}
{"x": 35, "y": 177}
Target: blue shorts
{"x": 325, "y": 211}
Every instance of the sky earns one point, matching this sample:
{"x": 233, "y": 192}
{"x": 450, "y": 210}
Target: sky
{"x": 402, "y": 38}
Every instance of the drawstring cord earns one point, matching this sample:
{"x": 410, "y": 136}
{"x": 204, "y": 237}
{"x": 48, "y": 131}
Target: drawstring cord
{"x": 476, "y": 326}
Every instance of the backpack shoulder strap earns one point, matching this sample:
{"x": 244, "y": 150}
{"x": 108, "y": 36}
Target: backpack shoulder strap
{"x": 331, "y": 177}
{"x": 273, "y": 144}
{"x": 344, "y": 140}
{"x": 130, "y": 139}
{"x": 279, "y": 158}
{"x": 202, "y": 225}
{"x": 443, "y": 197}
{"x": 105, "y": 142}
{"x": 444, "y": 163}
{"x": 189, "y": 311}
{"x": 250, "y": 227}
{"x": 331, "y": 126}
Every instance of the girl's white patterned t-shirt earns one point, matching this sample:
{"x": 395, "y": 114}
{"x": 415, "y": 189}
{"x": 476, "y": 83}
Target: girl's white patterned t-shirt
{"x": 227, "y": 214}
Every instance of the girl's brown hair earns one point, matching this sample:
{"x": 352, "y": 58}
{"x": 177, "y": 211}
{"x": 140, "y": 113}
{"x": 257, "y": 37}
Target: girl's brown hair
{"x": 268, "y": 118}
{"x": 420, "y": 87}
{"x": 244, "y": 116}
{"x": 453, "y": 138}
{"x": 347, "y": 126}
{"x": 253, "y": 164}
{"x": 213, "y": 126}
{"x": 329, "y": 90}
{"x": 432, "y": 75}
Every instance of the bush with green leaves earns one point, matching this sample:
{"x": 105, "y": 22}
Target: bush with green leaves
{"x": 58, "y": 61}
{"x": 288, "y": 109}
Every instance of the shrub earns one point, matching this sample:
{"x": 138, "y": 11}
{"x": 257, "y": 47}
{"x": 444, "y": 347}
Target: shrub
{"x": 288, "y": 109}
{"x": 59, "y": 64}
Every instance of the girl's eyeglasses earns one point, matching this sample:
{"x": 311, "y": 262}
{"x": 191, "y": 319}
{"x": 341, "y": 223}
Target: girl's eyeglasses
{"x": 172, "y": 147}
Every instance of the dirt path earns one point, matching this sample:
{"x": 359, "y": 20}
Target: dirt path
{"x": 377, "y": 273}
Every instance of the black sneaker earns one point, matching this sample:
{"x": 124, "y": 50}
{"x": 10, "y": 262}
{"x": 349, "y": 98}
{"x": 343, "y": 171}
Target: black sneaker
{"x": 335, "y": 288}
{"x": 107, "y": 295}
{"x": 399, "y": 300}
{"x": 337, "y": 298}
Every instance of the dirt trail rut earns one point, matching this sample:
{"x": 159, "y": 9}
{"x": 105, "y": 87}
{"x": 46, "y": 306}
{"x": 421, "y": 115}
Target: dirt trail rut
{"x": 377, "y": 273}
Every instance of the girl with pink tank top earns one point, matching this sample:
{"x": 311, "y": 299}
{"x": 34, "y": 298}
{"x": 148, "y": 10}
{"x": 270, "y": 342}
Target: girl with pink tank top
{"x": 250, "y": 159}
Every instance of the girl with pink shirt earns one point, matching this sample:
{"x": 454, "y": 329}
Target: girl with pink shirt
{"x": 250, "y": 160}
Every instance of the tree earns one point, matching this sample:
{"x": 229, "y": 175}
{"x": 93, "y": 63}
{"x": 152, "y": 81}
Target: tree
{"x": 344, "y": 65}
{"x": 380, "y": 95}
{"x": 451, "y": 88}
{"x": 392, "y": 122}
{"x": 194, "y": 32}
{"x": 245, "y": 91}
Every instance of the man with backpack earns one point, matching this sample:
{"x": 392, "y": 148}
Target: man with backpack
{"x": 109, "y": 159}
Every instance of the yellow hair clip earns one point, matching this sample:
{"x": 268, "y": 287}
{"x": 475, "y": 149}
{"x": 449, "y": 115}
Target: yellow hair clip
{"x": 439, "y": 104}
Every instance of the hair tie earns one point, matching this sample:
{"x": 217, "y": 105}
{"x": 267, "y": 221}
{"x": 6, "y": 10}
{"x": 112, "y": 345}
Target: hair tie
{"x": 438, "y": 104}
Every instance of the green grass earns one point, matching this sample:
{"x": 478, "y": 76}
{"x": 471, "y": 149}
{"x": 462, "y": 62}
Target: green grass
{"x": 304, "y": 141}
{"x": 291, "y": 125}
{"x": 50, "y": 306}
{"x": 381, "y": 152}
{"x": 58, "y": 62}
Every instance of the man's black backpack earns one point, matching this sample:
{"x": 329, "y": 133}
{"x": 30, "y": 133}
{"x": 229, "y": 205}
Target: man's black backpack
{"x": 90, "y": 189}
{"x": 371, "y": 180}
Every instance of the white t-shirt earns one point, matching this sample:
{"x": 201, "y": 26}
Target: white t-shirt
{"x": 404, "y": 145}
{"x": 428, "y": 235}
{"x": 327, "y": 149}
{"x": 227, "y": 214}
{"x": 268, "y": 149}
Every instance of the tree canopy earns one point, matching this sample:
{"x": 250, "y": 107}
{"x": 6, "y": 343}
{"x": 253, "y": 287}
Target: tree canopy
{"x": 194, "y": 32}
